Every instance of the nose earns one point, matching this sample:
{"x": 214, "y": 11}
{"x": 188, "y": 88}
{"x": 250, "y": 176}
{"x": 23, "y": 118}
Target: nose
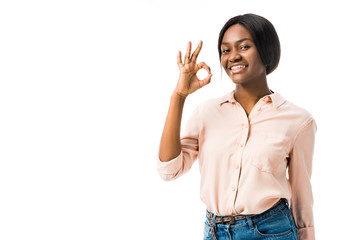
{"x": 235, "y": 56}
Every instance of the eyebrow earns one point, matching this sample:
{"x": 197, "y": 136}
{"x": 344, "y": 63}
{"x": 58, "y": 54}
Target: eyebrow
{"x": 239, "y": 41}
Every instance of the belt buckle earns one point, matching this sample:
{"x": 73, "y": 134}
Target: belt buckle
{"x": 232, "y": 219}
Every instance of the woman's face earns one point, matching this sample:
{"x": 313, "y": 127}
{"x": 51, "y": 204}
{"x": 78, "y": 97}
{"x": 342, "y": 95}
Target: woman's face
{"x": 240, "y": 58}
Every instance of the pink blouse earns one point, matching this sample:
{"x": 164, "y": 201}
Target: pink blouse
{"x": 248, "y": 163}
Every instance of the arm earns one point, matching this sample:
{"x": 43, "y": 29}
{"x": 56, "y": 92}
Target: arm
{"x": 170, "y": 145}
{"x": 300, "y": 168}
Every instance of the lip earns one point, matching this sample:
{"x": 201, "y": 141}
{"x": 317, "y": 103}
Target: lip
{"x": 237, "y": 70}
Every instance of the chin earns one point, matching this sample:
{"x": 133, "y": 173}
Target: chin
{"x": 238, "y": 79}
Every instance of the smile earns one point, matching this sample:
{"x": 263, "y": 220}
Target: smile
{"x": 237, "y": 68}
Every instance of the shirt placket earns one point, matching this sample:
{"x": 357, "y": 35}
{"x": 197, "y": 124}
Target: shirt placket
{"x": 240, "y": 145}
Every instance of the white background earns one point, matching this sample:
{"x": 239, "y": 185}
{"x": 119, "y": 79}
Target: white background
{"x": 85, "y": 88}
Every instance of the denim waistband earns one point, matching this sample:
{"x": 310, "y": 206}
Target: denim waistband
{"x": 282, "y": 204}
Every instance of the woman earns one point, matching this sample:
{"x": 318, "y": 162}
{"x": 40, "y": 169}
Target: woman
{"x": 254, "y": 147}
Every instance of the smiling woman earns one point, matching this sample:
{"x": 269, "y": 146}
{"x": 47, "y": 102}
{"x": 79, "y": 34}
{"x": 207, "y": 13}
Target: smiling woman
{"x": 262, "y": 34}
{"x": 254, "y": 147}
{"x": 240, "y": 57}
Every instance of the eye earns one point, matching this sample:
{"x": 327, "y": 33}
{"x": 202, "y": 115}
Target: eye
{"x": 245, "y": 47}
{"x": 224, "y": 51}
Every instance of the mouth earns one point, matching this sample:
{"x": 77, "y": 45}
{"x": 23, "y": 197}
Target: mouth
{"x": 237, "y": 68}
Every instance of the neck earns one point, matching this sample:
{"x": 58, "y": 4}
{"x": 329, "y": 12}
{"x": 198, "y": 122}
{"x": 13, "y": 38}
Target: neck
{"x": 249, "y": 95}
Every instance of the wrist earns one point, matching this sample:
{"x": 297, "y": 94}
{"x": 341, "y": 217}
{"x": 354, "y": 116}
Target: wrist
{"x": 179, "y": 95}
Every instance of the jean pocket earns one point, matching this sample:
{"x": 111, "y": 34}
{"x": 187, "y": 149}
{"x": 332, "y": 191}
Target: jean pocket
{"x": 207, "y": 231}
{"x": 276, "y": 226}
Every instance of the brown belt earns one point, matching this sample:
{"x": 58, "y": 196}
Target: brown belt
{"x": 232, "y": 218}
{"x": 227, "y": 219}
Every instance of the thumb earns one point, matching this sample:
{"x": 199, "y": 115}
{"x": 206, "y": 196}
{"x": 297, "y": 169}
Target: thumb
{"x": 205, "y": 81}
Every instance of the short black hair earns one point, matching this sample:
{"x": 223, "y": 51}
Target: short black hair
{"x": 264, "y": 35}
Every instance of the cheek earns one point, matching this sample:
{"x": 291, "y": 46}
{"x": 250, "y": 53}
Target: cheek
{"x": 223, "y": 62}
{"x": 256, "y": 59}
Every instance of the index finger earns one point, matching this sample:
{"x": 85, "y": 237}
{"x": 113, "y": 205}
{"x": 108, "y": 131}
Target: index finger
{"x": 187, "y": 54}
{"x": 179, "y": 61}
{"x": 196, "y": 53}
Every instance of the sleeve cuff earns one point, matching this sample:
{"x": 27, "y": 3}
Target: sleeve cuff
{"x": 169, "y": 170}
{"x": 306, "y": 233}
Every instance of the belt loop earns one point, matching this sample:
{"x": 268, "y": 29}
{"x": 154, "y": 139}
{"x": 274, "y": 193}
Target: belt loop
{"x": 250, "y": 222}
{"x": 213, "y": 220}
{"x": 212, "y": 225}
{"x": 286, "y": 202}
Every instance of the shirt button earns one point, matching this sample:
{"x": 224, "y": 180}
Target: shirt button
{"x": 259, "y": 108}
{"x": 233, "y": 189}
{"x": 237, "y": 166}
{"x": 241, "y": 145}
{"x": 267, "y": 99}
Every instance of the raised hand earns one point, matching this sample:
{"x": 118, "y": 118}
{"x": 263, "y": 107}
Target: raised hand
{"x": 188, "y": 81}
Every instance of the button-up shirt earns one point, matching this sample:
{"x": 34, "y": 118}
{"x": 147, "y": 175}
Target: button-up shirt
{"x": 247, "y": 163}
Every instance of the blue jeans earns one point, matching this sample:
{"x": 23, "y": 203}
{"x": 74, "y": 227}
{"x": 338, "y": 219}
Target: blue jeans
{"x": 275, "y": 223}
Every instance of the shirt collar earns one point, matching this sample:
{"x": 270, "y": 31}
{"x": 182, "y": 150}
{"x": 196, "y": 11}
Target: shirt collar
{"x": 275, "y": 99}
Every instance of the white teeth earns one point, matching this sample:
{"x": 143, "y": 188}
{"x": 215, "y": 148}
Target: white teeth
{"x": 238, "y": 66}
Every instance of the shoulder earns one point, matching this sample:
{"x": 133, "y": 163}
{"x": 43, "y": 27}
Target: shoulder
{"x": 213, "y": 104}
{"x": 290, "y": 106}
{"x": 202, "y": 113}
{"x": 300, "y": 116}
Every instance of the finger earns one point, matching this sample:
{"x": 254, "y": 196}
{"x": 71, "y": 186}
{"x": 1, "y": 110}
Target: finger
{"x": 179, "y": 61}
{"x": 187, "y": 55}
{"x": 205, "y": 81}
{"x": 204, "y": 66}
{"x": 196, "y": 53}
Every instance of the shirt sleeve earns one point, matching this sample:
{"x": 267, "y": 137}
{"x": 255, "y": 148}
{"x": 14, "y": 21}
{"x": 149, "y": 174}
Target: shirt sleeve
{"x": 300, "y": 168}
{"x": 189, "y": 151}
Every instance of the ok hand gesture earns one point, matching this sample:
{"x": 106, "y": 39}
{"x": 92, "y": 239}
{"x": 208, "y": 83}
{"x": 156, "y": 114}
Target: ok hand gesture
{"x": 188, "y": 81}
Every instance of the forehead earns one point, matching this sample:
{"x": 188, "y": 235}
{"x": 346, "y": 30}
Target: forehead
{"x": 235, "y": 33}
